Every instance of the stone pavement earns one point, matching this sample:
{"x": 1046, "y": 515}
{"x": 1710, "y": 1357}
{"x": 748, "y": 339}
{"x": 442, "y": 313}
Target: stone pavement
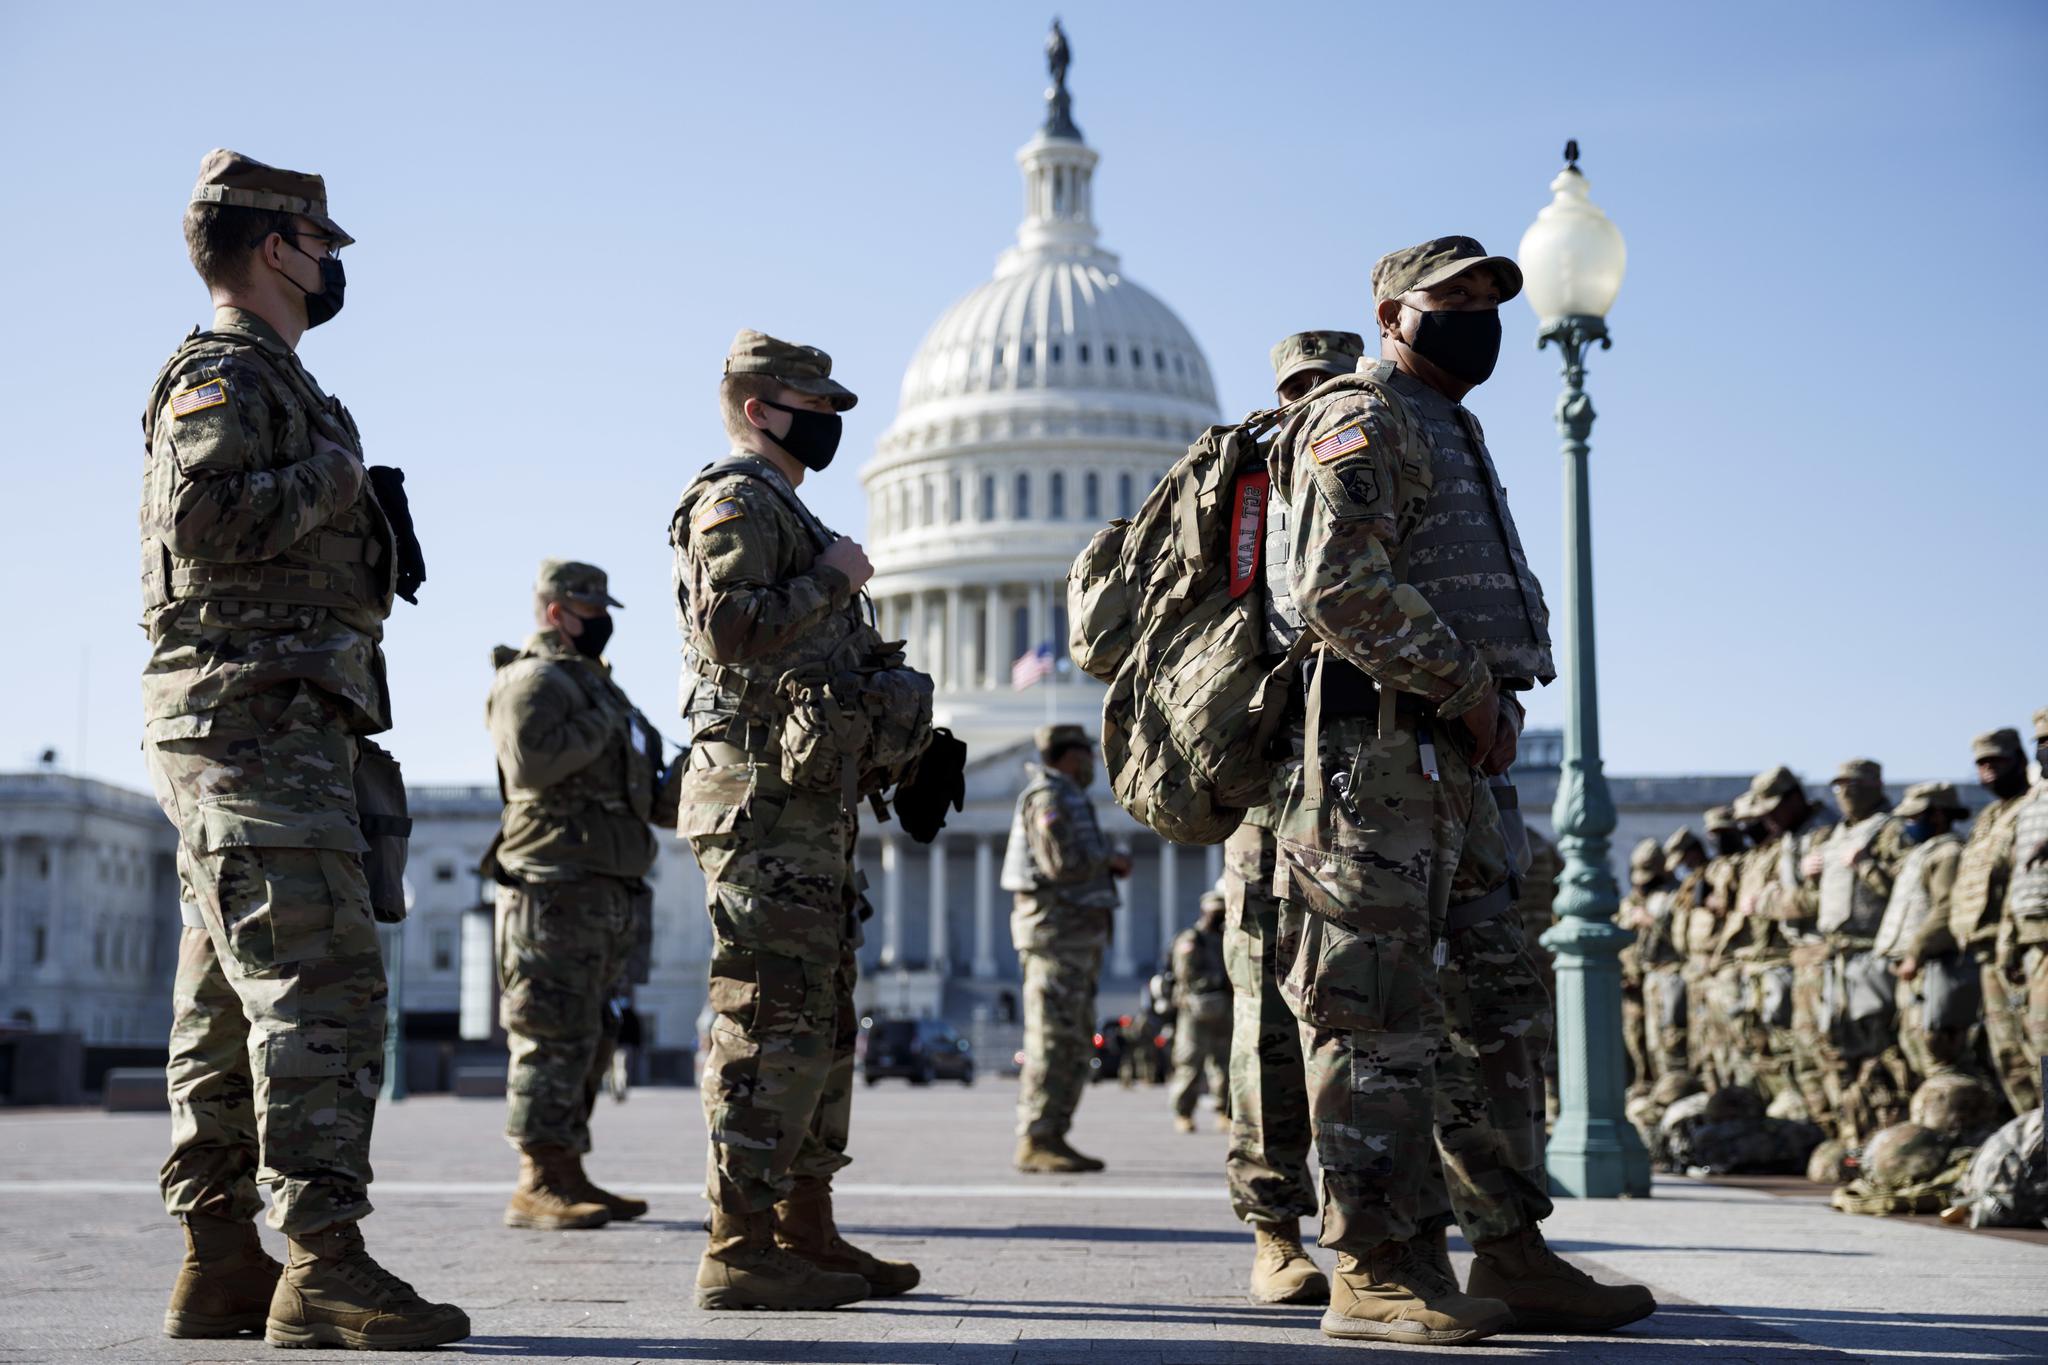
{"x": 1141, "y": 1265}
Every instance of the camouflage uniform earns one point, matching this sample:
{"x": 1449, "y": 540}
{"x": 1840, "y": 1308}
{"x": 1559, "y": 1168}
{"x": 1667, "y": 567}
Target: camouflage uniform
{"x": 1697, "y": 906}
{"x": 1378, "y": 479}
{"x": 1533, "y": 907}
{"x": 1267, "y": 1168}
{"x": 783, "y": 896}
{"x": 1057, "y": 867}
{"x": 2026, "y": 907}
{"x": 1646, "y": 871}
{"x": 268, "y": 571}
{"x": 1202, "y": 1019}
{"x": 578, "y": 765}
{"x": 1918, "y": 903}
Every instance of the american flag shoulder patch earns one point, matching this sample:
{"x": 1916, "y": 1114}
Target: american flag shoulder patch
{"x": 720, "y": 512}
{"x": 1339, "y": 443}
{"x": 1049, "y": 819}
{"x": 199, "y": 398}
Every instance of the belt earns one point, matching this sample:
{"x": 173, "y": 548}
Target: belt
{"x": 1349, "y": 693}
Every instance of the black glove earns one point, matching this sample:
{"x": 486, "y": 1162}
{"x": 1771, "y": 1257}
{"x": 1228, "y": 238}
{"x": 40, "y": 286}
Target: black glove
{"x": 388, "y": 483}
{"x": 938, "y": 780}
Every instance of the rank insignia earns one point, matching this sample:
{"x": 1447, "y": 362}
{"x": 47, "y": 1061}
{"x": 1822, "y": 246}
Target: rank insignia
{"x": 722, "y": 511}
{"x": 1339, "y": 443}
{"x": 199, "y": 398}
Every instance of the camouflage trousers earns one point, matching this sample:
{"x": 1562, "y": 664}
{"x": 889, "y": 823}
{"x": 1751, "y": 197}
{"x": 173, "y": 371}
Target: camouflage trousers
{"x": 2036, "y": 960}
{"x": 1635, "y": 1041}
{"x": 1267, "y": 1168}
{"x": 1059, "y": 1033}
{"x": 2015, "y": 1067}
{"x": 562, "y": 948}
{"x": 1201, "y": 1054}
{"x": 1928, "y": 1051}
{"x": 1666, "y": 1021}
{"x": 277, "y": 1015}
{"x": 782, "y": 895}
{"x": 1704, "y": 1024}
{"x": 1365, "y": 876}
{"x": 1849, "y": 1072}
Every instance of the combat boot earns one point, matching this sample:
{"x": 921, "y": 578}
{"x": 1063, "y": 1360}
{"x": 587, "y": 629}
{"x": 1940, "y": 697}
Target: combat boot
{"x": 1037, "y": 1157}
{"x": 1281, "y": 1269}
{"x": 804, "y": 1225}
{"x": 1546, "y": 1293}
{"x": 224, "y": 1287}
{"x": 548, "y": 1197}
{"x": 333, "y": 1294}
{"x": 1183, "y": 1123}
{"x": 1435, "y": 1247}
{"x": 623, "y": 1208}
{"x": 1393, "y": 1293}
{"x": 1081, "y": 1162}
{"x": 742, "y": 1267}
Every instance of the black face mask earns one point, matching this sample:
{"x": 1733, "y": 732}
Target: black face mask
{"x": 2009, "y": 783}
{"x": 1463, "y": 345}
{"x": 813, "y": 437}
{"x": 597, "y": 632}
{"x": 333, "y": 285}
{"x": 1920, "y": 829}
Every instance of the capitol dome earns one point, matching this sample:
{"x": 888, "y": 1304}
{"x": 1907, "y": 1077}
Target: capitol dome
{"x": 1045, "y": 402}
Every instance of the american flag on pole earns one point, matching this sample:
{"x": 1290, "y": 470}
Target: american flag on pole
{"x": 1032, "y": 667}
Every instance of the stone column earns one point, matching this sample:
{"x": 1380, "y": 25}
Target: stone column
{"x": 957, "y": 654}
{"x": 1169, "y": 895}
{"x": 984, "y": 907}
{"x": 64, "y": 930}
{"x": 920, "y": 641}
{"x": 1212, "y": 866}
{"x": 10, "y": 852}
{"x": 1120, "y": 960}
{"x": 940, "y": 949}
{"x": 892, "y": 903}
{"x": 1041, "y": 620}
{"x": 993, "y": 661}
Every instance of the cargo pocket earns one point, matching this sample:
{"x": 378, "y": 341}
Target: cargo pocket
{"x": 712, "y": 801}
{"x": 277, "y": 906}
{"x": 310, "y": 1053}
{"x": 1354, "y": 979}
{"x": 768, "y": 995}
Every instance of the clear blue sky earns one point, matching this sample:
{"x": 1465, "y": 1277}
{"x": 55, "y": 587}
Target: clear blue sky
{"x": 1818, "y": 465}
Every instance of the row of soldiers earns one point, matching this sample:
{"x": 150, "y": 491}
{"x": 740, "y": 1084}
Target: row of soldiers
{"x": 1833, "y": 966}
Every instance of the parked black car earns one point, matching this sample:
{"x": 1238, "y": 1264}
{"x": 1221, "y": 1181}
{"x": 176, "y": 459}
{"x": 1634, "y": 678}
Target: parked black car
{"x": 919, "y": 1050}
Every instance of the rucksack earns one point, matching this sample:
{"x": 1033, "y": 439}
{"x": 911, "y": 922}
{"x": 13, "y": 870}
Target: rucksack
{"x": 1163, "y": 610}
{"x": 2007, "y": 1184}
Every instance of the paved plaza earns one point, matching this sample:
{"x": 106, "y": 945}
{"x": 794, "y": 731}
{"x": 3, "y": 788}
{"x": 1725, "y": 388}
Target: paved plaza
{"x": 1143, "y": 1264}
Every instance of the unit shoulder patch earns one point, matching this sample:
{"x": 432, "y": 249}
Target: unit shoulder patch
{"x": 211, "y": 393}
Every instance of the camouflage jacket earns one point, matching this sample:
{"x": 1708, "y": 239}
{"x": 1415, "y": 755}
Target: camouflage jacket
{"x": 1359, "y": 482}
{"x": 2027, "y": 899}
{"x": 1860, "y": 862}
{"x": 265, "y": 558}
{"x": 577, "y": 763}
{"x": 1201, "y": 984}
{"x": 1916, "y": 919}
{"x": 1775, "y": 902}
{"x": 1057, "y": 863}
{"x": 1977, "y": 905}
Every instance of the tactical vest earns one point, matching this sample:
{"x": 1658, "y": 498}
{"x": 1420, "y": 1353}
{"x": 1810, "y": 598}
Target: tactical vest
{"x": 1205, "y": 981}
{"x": 1910, "y": 900}
{"x": 2027, "y": 898}
{"x": 1462, "y": 552}
{"x": 1982, "y": 874}
{"x": 750, "y": 689}
{"x": 1655, "y": 940}
{"x": 1021, "y": 873}
{"x": 1848, "y": 903}
{"x": 346, "y": 564}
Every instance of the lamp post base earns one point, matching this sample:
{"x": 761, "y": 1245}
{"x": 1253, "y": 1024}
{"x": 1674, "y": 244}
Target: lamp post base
{"x": 1593, "y": 1158}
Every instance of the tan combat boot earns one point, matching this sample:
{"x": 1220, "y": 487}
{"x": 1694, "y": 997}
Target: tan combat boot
{"x": 224, "y": 1287}
{"x": 1036, "y": 1156}
{"x": 1183, "y": 1123}
{"x": 1394, "y": 1294}
{"x": 804, "y": 1225}
{"x": 1547, "y": 1293}
{"x": 1281, "y": 1269}
{"x": 333, "y": 1294}
{"x": 548, "y": 1198}
{"x": 1081, "y": 1162}
{"x": 743, "y": 1268}
{"x": 622, "y": 1207}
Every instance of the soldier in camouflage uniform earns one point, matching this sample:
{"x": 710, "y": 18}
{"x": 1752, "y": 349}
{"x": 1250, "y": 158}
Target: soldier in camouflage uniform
{"x": 1533, "y": 907}
{"x": 2025, "y": 926}
{"x": 778, "y": 664}
{"x": 1062, "y": 875}
{"x": 1390, "y": 543}
{"x": 269, "y": 565}
{"x": 579, "y": 765}
{"x": 1701, "y": 891}
{"x": 1645, "y": 879}
{"x": 1841, "y": 1023}
{"x": 1202, "y": 1015}
{"x": 1919, "y": 903}
{"x": 1667, "y": 1018}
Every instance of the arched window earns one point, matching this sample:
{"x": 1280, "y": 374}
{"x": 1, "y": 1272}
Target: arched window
{"x": 1091, "y": 496}
{"x": 988, "y": 497}
{"x": 1084, "y": 353}
{"x": 1022, "y": 510}
{"x": 1124, "y": 506}
{"x": 1109, "y": 355}
{"x": 1056, "y": 496}
{"x": 953, "y": 500}
{"x": 1055, "y": 353}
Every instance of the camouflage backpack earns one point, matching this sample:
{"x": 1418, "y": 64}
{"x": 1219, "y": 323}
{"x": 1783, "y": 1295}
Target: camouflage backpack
{"x": 1162, "y": 609}
{"x": 2007, "y": 1184}
{"x": 1905, "y": 1169}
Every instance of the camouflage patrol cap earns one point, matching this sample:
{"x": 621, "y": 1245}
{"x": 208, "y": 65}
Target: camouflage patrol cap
{"x": 1051, "y": 739}
{"x": 803, "y": 368}
{"x": 1329, "y": 352}
{"x": 227, "y": 177}
{"x": 1771, "y": 786}
{"x": 1646, "y": 861}
{"x": 1680, "y": 839}
{"x": 1437, "y": 260}
{"x": 2003, "y": 743}
{"x": 1923, "y": 797}
{"x": 1859, "y": 772}
{"x": 2041, "y": 725}
{"x": 1720, "y": 820}
{"x": 566, "y": 580}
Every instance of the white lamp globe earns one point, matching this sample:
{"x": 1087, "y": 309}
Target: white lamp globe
{"x": 1572, "y": 256}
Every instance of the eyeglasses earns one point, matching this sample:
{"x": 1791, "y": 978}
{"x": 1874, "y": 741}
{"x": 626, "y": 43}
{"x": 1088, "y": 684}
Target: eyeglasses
{"x": 333, "y": 247}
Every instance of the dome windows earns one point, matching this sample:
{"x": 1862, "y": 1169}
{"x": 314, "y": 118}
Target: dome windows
{"x": 1091, "y": 496}
{"x": 1021, "y": 509}
{"x": 1126, "y": 505}
{"x": 1056, "y": 496}
{"x": 988, "y": 497}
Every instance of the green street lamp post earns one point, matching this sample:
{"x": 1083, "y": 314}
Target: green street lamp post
{"x": 392, "y": 937}
{"x": 1572, "y": 261}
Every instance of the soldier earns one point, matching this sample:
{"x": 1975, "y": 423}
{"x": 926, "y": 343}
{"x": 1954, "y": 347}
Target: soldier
{"x": 1267, "y": 1168}
{"x": 1390, "y": 541}
{"x": 1919, "y": 906}
{"x": 779, "y": 672}
{"x": 270, "y": 558}
{"x": 1699, "y": 894}
{"x": 579, "y": 768}
{"x": 1670, "y": 1019}
{"x": 1976, "y": 928}
{"x": 1533, "y": 907}
{"x": 1841, "y": 1026}
{"x": 1776, "y": 903}
{"x": 2026, "y": 912}
{"x": 1202, "y": 1015}
{"x": 1646, "y": 882}
{"x": 1062, "y": 873}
